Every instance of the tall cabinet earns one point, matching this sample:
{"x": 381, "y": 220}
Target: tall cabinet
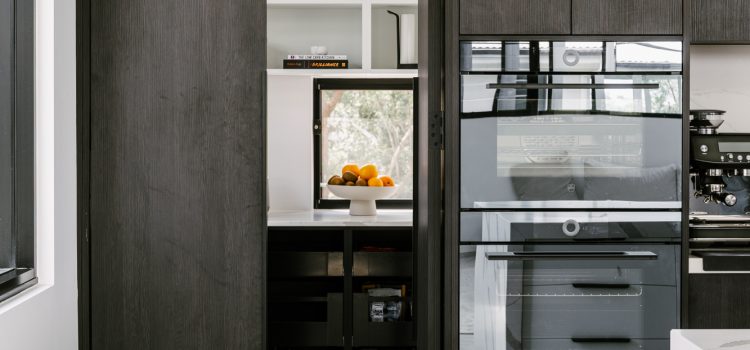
{"x": 171, "y": 161}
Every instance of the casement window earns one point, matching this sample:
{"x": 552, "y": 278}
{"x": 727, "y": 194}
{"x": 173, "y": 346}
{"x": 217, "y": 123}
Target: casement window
{"x": 364, "y": 121}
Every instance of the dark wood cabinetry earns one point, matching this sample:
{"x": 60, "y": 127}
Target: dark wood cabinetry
{"x": 317, "y": 281}
{"x": 576, "y": 17}
{"x": 172, "y": 156}
{"x": 515, "y": 17}
{"x": 717, "y": 301}
{"x": 720, "y": 21}
{"x": 627, "y": 17}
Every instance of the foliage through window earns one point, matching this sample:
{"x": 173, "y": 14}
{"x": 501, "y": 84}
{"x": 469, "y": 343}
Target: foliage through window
{"x": 365, "y": 121}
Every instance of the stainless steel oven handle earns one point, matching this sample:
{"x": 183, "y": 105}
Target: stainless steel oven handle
{"x": 604, "y": 255}
{"x": 571, "y": 86}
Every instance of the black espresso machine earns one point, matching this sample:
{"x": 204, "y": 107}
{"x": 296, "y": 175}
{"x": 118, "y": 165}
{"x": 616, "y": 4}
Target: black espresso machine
{"x": 720, "y": 207}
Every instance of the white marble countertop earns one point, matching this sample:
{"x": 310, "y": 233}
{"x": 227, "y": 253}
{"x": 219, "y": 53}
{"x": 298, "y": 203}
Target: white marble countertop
{"x": 339, "y": 218}
{"x": 710, "y": 339}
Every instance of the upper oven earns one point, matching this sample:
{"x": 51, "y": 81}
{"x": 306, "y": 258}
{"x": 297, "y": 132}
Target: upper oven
{"x": 554, "y": 124}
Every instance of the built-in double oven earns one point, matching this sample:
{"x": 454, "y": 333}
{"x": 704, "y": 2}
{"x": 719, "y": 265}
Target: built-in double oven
{"x": 570, "y": 194}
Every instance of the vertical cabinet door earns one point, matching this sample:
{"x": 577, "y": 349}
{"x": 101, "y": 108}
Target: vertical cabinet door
{"x": 720, "y": 21}
{"x": 177, "y": 192}
{"x": 627, "y": 17}
{"x": 718, "y": 301}
{"x": 515, "y": 17}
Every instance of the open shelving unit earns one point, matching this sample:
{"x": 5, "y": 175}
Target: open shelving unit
{"x": 315, "y": 291}
{"x": 360, "y": 29}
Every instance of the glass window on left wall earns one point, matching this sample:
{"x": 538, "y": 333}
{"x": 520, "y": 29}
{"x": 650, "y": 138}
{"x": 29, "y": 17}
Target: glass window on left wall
{"x": 16, "y": 147}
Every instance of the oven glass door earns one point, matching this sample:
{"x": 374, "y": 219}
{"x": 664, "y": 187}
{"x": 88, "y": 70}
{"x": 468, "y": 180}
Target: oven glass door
{"x": 574, "y": 296}
{"x": 571, "y": 141}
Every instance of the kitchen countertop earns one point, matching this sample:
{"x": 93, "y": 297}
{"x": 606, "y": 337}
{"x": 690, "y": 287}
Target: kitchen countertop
{"x": 709, "y": 339}
{"x": 339, "y": 218}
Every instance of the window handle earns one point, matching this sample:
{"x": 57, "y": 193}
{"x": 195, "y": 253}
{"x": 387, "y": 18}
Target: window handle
{"x": 317, "y": 127}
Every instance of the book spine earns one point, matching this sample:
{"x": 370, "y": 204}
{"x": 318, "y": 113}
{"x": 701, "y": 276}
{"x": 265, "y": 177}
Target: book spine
{"x": 316, "y": 57}
{"x": 316, "y": 64}
{"x": 294, "y": 64}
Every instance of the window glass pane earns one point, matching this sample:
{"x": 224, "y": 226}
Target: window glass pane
{"x": 6, "y": 108}
{"x": 368, "y": 126}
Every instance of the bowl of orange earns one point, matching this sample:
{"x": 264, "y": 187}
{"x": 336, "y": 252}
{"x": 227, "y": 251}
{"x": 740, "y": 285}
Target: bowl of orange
{"x": 362, "y": 186}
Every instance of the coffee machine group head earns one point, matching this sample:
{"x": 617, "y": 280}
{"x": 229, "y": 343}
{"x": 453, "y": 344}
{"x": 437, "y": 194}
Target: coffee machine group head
{"x": 716, "y": 157}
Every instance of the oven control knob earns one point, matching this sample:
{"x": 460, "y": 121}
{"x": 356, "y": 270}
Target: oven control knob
{"x": 571, "y": 228}
{"x": 704, "y": 148}
{"x": 730, "y": 156}
{"x": 739, "y": 157}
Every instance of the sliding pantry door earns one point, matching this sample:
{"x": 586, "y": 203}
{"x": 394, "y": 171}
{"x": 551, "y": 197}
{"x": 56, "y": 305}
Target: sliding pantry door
{"x": 177, "y": 174}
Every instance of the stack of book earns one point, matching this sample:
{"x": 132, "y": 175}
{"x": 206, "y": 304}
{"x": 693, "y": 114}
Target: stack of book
{"x": 316, "y": 62}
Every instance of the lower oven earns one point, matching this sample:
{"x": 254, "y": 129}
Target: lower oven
{"x": 568, "y": 296}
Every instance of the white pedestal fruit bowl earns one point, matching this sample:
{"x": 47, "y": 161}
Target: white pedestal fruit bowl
{"x": 362, "y": 197}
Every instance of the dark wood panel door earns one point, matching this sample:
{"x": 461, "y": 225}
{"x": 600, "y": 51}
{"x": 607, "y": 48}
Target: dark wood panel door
{"x": 515, "y": 17}
{"x": 627, "y": 17}
{"x": 720, "y": 21}
{"x": 177, "y": 189}
{"x": 717, "y": 301}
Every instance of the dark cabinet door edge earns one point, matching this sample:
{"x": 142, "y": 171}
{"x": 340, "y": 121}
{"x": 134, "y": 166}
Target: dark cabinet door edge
{"x": 83, "y": 95}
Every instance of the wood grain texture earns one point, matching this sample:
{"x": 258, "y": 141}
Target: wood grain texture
{"x": 720, "y": 21}
{"x": 627, "y": 17}
{"x": 515, "y": 17}
{"x": 718, "y": 301}
{"x": 177, "y": 174}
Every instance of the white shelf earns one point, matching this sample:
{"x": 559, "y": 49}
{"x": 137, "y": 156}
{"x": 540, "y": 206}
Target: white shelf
{"x": 360, "y": 73}
{"x": 395, "y": 2}
{"x": 315, "y": 3}
{"x": 347, "y": 27}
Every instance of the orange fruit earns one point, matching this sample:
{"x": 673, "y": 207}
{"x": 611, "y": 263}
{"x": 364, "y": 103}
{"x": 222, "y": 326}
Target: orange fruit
{"x": 374, "y": 182}
{"x": 387, "y": 181}
{"x": 368, "y": 172}
{"x": 354, "y": 168}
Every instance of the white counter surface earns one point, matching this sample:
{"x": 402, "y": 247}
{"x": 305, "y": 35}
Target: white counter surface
{"x": 710, "y": 339}
{"x": 339, "y": 218}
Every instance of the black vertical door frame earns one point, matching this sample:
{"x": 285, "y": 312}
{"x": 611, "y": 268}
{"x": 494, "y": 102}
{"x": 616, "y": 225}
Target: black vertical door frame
{"x": 428, "y": 194}
{"x": 83, "y": 146}
{"x": 684, "y": 256}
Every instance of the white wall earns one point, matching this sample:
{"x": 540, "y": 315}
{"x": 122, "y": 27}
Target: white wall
{"x": 290, "y": 142}
{"x": 292, "y": 30}
{"x": 45, "y": 316}
{"x": 720, "y": 79}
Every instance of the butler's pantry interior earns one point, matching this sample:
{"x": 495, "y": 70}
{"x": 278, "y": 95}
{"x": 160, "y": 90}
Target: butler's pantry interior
{"x": 374, "y": 174}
